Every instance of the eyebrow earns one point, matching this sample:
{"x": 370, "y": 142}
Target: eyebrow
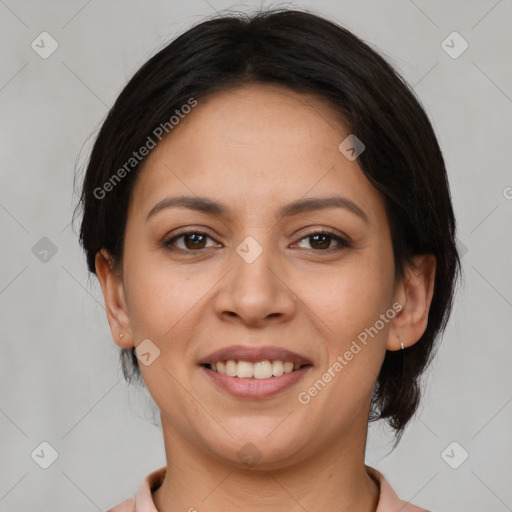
{"x": 205, "y": 205}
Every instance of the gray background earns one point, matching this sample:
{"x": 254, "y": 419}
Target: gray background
{"x": 59, "y": 376}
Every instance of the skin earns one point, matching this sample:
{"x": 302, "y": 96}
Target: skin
{"x": 255, "y": 149}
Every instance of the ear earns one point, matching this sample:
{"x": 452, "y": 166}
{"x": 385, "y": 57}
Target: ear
{"x": 113, "y": 293}
{"x": 414, "y": 293}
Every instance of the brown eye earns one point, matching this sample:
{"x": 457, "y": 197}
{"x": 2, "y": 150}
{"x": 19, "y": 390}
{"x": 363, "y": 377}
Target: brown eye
{"x": 321, "y": 241}
{"x": 192, "y": 241}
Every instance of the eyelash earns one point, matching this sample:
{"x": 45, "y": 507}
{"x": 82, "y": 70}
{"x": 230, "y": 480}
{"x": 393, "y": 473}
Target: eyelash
{"x": 343, "y": 243}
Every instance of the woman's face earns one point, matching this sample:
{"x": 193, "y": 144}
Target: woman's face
{"x": 256, "y": 279}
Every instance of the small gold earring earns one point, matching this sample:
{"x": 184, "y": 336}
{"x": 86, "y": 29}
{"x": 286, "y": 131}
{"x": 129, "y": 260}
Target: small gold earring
{"x": 401, "y": 342}
{"x": 121, "y": 335}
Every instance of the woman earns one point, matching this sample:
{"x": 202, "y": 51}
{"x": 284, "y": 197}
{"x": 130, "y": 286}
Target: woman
{"x": 267, "y": 210}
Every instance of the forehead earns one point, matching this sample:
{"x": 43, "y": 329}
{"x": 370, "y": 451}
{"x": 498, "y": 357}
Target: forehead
{"x": 252, "y": 147}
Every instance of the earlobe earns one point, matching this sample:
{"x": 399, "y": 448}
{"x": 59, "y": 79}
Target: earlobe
{"x": 415, "y": 293}
{"x": 113, "y": 294}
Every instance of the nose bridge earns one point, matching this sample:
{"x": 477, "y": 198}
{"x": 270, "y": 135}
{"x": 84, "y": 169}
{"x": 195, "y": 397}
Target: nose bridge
{"x": 253, "y": 262}
{"x": 254, "y": 290}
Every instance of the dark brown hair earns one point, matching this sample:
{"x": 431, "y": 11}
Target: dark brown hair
{"x": 305, "y": 53}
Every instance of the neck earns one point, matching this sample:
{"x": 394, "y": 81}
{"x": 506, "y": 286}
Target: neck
{"x": 335, "y": 479}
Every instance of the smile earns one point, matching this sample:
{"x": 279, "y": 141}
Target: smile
{"x": 258, "y": 370}
{"x": 254, "y": 381}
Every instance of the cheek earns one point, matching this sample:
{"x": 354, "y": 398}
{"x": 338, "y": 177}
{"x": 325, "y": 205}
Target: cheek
{"x": 350, "y": 298}
{"x": 161, "y": 308}
{"x": 166, "y": 304}
{"x": 158, "y": 299}
{"x": 346, "y": 305}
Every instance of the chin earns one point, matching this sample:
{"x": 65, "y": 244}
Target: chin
{"x": 260, "y": 448}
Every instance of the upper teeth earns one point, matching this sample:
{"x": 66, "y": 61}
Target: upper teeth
{"x": 259, "y": 370}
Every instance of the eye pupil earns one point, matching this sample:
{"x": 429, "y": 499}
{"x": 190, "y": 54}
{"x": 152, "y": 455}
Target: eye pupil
{"x": 322, "y": 236}
{"x": 193, "y": 235}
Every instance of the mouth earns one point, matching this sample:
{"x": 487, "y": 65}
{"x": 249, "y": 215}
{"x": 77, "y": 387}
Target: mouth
{"x": 254, "y": 372}
{"x": 265, "y": 369}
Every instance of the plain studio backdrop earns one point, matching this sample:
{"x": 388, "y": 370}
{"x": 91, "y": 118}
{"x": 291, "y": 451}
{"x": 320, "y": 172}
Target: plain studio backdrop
{"x": 60, "y": 380}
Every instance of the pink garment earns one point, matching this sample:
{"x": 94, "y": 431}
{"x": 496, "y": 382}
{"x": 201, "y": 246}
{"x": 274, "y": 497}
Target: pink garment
{"x": 143, "y": 501}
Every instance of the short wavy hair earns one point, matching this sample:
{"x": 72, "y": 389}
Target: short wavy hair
{"x": 306, "y": 53}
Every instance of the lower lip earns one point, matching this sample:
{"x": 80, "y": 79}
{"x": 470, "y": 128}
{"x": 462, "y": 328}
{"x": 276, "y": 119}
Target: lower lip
{"x": 255, "y": 388}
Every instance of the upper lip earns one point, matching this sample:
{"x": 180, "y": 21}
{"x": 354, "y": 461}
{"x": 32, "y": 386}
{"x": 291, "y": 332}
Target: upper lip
{"x": 254, "y": 354}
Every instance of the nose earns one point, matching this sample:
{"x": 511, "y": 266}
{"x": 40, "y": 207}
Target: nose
{"x": 256, "y": 292}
